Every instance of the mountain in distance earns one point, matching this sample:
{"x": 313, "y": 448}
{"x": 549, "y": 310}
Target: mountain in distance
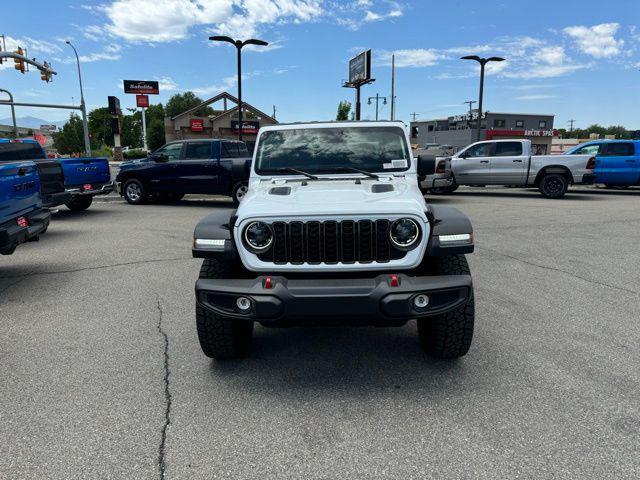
{"x": 31, "y": 122}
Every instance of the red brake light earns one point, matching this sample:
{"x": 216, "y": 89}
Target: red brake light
{"x": 591, "y": 163}
{"x": 87, "y": 187}
{"x": 441, "y": 166}
{"x": 22, "y": 222}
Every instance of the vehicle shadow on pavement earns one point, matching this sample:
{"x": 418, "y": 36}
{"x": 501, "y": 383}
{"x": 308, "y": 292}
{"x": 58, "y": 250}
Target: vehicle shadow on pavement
{"x": 526, "y": 194}
{"x": 64, "y": 214}
{"x": 349, "y": 358}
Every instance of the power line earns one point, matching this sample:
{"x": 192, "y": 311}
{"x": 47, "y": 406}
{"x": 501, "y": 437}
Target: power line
{"x": 414, "y": 115}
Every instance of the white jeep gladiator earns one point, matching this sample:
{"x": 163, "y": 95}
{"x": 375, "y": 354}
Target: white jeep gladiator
{"x": 334, "y": 230}
{"x": 513, "y": 163}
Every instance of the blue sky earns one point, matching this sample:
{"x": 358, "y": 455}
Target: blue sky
{"x": 575, "y": 59}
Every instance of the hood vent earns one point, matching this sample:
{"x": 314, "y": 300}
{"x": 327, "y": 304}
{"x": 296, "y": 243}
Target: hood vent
{"x": 381, "y": 188}
{"x": 280, "y": 191}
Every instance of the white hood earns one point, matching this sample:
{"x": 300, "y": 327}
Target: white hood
{"x": 341, "y": 197}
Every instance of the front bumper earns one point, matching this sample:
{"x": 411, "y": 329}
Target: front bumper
{"x": 361, "y": 301}
{"x": 438, "y": 180}
{"x": 96, "y": 189}
{"x": 12, "y": 235}
{"x": 54, "y": 199}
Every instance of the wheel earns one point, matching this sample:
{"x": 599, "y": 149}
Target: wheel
{"x": 221, "y": 337}
{"x": 445, "y": 190}
{"x": 449, "y": 335}
{"x": 239, "y": 191}
{"x": 78, "y": 203}
{"x": 553, "y": 185}
{"x": 134, "y": 192}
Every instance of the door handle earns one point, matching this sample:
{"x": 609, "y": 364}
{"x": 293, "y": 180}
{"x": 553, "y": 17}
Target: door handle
{"x": 517, "y": 161}
{"x": 484, "y": 161}
{"x": 22, "y": 172}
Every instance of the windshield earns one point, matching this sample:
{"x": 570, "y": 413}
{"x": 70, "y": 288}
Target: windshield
{"x": 321, "y": 150}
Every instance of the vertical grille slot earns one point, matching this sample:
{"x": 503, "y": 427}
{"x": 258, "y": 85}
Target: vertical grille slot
{"x": 314, "y": 244}
{"x": 382, "y": 241}
{"x": 331, "y": 242}
{"x": 348, "y": 228}
{"x": 280, "y": 242}
{"x": 296, "y": 242}
{"x": 365, "y": 240}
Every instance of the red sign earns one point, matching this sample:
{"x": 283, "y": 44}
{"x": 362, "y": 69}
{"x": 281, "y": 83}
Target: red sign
{"x": 142, "y": 101}
{"x": 197, "y": 125}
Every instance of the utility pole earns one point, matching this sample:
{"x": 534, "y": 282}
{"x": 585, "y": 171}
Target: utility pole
{"x": 393, "y": 83}
{"x": 274, "y": 112}
{"x": 83, "y": 108}
{"x": 571, "y": 122}
{"x": 414, "y": 115}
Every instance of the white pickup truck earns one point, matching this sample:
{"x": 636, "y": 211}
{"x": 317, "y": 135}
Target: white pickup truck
{"x": 510, "y": 162}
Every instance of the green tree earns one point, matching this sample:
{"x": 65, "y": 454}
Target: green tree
{"x": 131, "y": 130}
{"x": 180, "y": 102}
{"x": 70, "y": 138}
{"x": 343, "y": 110}
{"x": 100, "y": 132}
{"x": 155, "y": 126}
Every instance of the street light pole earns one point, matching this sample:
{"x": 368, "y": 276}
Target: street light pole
{"x": 482, "y": 62}
{"x": 83, "y": 107}
{"x": 239, "y": 44}
{"x": 377, "y": 98}
{"x": 13, "y": 112}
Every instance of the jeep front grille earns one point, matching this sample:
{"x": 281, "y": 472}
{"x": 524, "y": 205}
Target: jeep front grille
{"x": 331, "y": 242}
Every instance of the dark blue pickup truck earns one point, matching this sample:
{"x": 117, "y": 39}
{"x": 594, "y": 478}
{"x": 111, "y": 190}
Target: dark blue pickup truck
{"x": 22, "y": 217}
{"x": 69, "y": 181}
{"x": 211, "y": 166}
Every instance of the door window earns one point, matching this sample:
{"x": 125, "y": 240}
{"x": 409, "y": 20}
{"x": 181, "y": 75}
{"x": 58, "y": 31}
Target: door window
{"x": 591, "y": 149}
{"x": 243, "y": 151}
{"x": 229, "y": 150}
{"x": 619, "y": 150}
{"x": 198, "y": 150}
{"x": 480, "y": 150}
{"x": 508, "y": 149}
{"x": 171, "y": 151}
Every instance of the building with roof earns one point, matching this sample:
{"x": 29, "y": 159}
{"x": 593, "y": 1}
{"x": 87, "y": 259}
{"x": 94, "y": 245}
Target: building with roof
{"x": 223, "y": 123}
{"x": 458, "y": 131}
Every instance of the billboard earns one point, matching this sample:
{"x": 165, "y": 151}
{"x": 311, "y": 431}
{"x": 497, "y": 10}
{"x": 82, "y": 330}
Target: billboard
{"x": 248, "y": 126}
{"x": 142, "y": 101}
{"x": 360, "y": 68}
{"x": 114, "y": 105}
{"x": 146, "y": 87}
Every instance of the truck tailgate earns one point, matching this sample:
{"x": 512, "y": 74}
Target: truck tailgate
{"x": 83, "y": 171}
{"x": 19, "y": 189}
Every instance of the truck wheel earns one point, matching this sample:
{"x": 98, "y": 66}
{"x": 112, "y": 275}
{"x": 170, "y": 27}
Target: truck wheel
{"x": 553, "y": 185}
{"x": 221, "y": 337}
{"x": 445, "y": 190}
{"x": 239, "y": 191}
{"x": 134, "y": 192}
{"x": 449, "y": 335}
{"x": 77, "y": 203}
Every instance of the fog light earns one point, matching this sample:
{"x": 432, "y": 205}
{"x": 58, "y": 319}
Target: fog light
{"x": 421, "y": 301}
{"x": 243, "y": 304}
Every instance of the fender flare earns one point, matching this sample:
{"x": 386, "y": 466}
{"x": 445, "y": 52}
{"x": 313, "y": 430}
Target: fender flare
{"x": 216, "y": 226}
{"x": 447, "y": 220}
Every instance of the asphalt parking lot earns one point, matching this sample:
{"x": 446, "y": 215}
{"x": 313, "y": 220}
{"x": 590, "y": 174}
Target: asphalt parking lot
{"x": 102, "y": 375}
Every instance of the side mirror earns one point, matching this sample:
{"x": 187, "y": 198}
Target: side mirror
{"x": 463, "y": 155}
{"x": 158, "y": 157}
{"x": 426, "y": 165}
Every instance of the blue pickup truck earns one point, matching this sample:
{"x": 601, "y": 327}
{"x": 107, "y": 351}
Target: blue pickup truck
{"x": 22, "y": 217}
{"x": 69, "y": 181}
{"x": 211, "y": 166}
{"x": 617, "y": 161}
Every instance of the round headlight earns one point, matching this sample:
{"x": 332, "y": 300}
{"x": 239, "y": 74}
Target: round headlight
{"x": 403, "y": 233}
{"x": 258, "y": 236}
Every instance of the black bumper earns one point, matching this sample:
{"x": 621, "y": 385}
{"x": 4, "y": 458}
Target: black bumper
{"x": 588, "y": 179}
{"x": 51, "y": 200}
{"x": 362, "y": 301}
{"x": 98, "y": 189}
{"x": 12, "y": 235}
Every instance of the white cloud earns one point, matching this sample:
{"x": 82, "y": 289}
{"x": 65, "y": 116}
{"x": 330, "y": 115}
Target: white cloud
{"x": 418, "y": 57}
{"x": 540, "y": 96}
{"x": 166, "y": 84}
{"x": 227, "y": 84}
{"x": 374, "y": 17}
{"x": 599, "y": 41}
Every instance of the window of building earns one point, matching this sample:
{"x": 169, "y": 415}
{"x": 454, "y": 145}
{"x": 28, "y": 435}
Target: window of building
{"x": 499, "y": 123}
{"x": 542, "y": 124}
{"x": 430, "y": 128}
{"x": 519, "y": 123}
{"x": 508, "y": 149}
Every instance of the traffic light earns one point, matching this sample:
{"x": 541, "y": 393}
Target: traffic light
{"x": 45, "y": 73}
{"x": 19, "y": 62}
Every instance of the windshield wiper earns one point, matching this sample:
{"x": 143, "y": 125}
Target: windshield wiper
{"x": 352, "y": 169}
{"x": 295, "y": 170}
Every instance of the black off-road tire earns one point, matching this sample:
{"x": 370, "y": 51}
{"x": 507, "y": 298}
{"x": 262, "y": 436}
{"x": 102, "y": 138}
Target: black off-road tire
{"x": 221, "y": 337}
{"x": 238, "y": 192}
{"x": 445, "y": 190}
{"x": 79, "y": 203}
{"x": 553, "y": 185}
{"x": 449, "y": 335}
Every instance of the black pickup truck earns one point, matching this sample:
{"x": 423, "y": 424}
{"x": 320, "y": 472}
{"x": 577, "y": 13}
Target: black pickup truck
{"x": 207, "y": 166}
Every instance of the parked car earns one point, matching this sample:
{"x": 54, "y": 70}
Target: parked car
{"x": 70, "y": 181}
{"x": 22, "y": 216}
{"x": 211, "y": 166}
{"x": 510, "y": 162}
{"x": 617, "y": 161}
{"x": 334, "y": 230}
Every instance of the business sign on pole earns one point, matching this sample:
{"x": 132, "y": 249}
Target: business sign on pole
{"x": 142, "y": 101}
{"x": 248, "y": 126}
{"x": 141, "y": 87}
{"x": 196, "y": 124}
{"x": 114, "y": 105}
{"x": 360, "y": 68}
